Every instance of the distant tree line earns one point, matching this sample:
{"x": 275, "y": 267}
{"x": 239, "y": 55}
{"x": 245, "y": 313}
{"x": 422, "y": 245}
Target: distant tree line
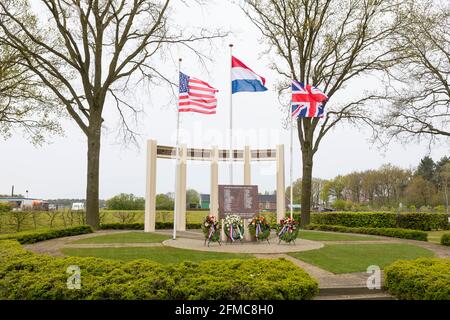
{"x": 125, "y": 201}
{"x": 386, "y": 187}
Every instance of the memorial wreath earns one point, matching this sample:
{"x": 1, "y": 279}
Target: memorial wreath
{"x": 287, "y": 230}
{"x": 259, "y": 227}
{"x": 211, "y": 229}
{"x": 234, "y": 227}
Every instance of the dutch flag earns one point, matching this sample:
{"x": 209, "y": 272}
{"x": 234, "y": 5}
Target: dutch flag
{"x": 244, "y": 79}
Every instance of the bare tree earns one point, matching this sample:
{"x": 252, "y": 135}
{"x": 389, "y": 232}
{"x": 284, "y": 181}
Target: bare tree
{"x": 328, "y": 44}
{"x": 94, "y": 49}
{"x": 420, "y": 105}
{"x": 52, "y": 215}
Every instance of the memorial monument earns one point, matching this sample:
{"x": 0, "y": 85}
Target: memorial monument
{"x": 245, "y": 193}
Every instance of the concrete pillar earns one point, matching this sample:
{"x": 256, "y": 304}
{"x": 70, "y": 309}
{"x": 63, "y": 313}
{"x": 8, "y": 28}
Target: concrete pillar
{"x": 247, "y": 166}
{"x": 180, "y": 193}
{"x": 150, "y": 192}
{"x": 214, "y": 197}
{"x": 247, "y": 181}
{"x": 281, "y": 205}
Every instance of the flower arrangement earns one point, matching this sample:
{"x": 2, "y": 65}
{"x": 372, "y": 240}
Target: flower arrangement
{"x": 287, "y": 230}
{"x": 211, "y": 229}
{"x": 259, "y": 227}
{"x": 234, "y": 227}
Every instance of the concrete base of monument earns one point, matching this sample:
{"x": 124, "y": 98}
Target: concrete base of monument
{"x": 245, "y": 246}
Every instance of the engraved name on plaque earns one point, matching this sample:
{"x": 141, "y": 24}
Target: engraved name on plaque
{"x": 239, "y": 200}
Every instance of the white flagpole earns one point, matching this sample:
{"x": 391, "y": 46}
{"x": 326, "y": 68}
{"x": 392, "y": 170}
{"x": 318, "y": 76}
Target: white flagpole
{"x": 177, "y": 157}
{"x": 292, "y": 153}
{"x": 231, "y": 116}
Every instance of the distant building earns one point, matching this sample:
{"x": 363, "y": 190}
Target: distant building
{"x": 77, "y": 206}
{"x": 267, "y": 202}
{"x": 204, "y": 201}
{"x": 24, "y": 204}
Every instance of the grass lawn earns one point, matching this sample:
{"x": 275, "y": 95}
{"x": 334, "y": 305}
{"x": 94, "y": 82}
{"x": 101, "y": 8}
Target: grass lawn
{"x": 346, "y": 258}
{"x": 330, "y": 236}
{"x": 435, "y": 236}
{"x": 129, "y": 237}
{"x": 164, "y": 255}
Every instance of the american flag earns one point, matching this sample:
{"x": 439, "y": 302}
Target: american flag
{"x": 196, "y": 96}
{"x": 307, "y": 101}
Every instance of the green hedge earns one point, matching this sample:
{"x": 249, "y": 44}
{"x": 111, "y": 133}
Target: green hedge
{"x": 140, "y": 226}
{"x": 421, "y": 279}
{"x": 416, "y": 221}
{"x": 445, "y": 239}
{"x": 36, "y": 236}
{"x": 387, "y": 232}
{"x": 28, "y": 276}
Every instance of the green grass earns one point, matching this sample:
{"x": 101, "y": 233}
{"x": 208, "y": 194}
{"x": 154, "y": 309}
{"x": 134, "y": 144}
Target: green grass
{"x": 330, "y": 236}
{"x": 128, "y": 237}
{"x": 435, "y": 236}
{"x": 164, "y": 255}
{"x": 346, "y": 258}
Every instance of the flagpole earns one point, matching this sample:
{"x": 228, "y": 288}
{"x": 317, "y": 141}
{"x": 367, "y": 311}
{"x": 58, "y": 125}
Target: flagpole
{"x": 291, "y": 153}
{"x": 231, "y": 116}
{"x": 177, "y": 157}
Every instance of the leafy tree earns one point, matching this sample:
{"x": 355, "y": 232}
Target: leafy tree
{"x": 444, "y": 175}
{"x": 420, "y": 192}
{"x": 426, "y": 168}
{"x": 328, "y": 44}
{"x": 192, "y": 198}
{"x": 164, "y": 202}
{"x": 125, "y": 201}
{"x": 297, "y": 191}
{"x": 95, "y": 51}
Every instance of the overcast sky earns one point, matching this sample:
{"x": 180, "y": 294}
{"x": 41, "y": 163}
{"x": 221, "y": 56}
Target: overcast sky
{"x": 58, "y": 169}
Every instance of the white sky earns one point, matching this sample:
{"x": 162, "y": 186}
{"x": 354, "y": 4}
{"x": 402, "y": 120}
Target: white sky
{"x": 58, "y": 170}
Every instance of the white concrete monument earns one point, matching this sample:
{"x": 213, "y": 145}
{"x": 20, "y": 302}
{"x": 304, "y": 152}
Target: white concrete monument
{"x": 213, "y": 155}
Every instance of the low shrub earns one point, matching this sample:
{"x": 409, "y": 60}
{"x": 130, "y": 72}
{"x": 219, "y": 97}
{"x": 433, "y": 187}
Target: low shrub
{"x": 421, "y": 279}
{"x": 387, "y": 232}
{"x": 5, "y": 207}
{"x": 445, "y": 239}
{"x": 413, "y": 220}
{"x": 28, "y": 276}
{"x": 140, "y": 226}
{"x": 29, "y": 237}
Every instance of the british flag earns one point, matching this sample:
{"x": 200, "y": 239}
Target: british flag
{"x": 307, "y": 101}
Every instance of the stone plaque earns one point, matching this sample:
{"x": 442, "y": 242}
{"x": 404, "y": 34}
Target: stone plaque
{"x": 239, "y": 200}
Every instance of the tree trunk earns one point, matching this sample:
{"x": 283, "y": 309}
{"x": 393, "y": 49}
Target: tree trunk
{"x": 307, "y": 157}
{"x": 92, "y": 189}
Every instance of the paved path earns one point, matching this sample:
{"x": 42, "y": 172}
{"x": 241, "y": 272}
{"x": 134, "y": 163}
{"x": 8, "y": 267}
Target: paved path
{"x": 53, "y": 247}
{"x": 245, "y": 247}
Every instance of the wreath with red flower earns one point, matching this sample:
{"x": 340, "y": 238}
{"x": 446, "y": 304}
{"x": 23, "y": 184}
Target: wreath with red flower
{"x": 287, "y": 230}
{"x": 211, "y": 229}
{"x": 259, "y": 228}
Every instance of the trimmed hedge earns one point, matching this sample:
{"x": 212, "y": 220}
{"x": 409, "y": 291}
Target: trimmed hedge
{"x": 387, "y": 232}
{"x": 140, "y": 226}
{"x": 416, "y": 221}
{"x": 445, "y": 239}
{"x": 36, "y": 236}
{"x": 28, "y": 276}
{"x": 421, "y": 279}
